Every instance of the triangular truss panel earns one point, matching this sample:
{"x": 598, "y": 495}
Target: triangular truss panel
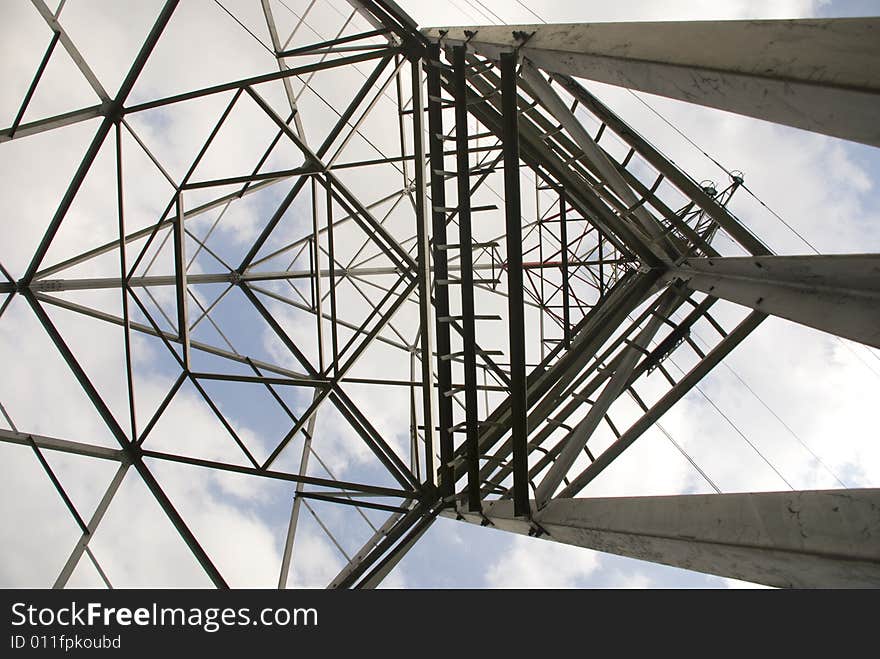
{"x": 368, "y": 275}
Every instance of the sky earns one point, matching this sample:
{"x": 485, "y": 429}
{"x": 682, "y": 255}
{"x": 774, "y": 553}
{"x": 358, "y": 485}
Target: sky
{"x": 785, "y": 389}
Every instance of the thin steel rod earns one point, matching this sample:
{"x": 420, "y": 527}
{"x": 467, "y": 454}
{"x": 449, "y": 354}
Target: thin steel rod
{"x": 664, "y": 404}
{"x": 94, "y": 521}
{"x": 33, "y": 86}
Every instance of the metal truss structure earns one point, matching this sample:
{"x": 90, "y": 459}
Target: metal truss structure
{"x": 521, "y": 325}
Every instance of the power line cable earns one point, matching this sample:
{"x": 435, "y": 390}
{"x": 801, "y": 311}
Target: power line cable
{"x": 738, "y": 430}
{"x": 723, "y": 168}
{"x": 245, "y": 27}
{"x": 530, "y": 11}
{"x": 688, "y": 457}
{"x": 790, "y": 430}
{"x": 489, "y": 11}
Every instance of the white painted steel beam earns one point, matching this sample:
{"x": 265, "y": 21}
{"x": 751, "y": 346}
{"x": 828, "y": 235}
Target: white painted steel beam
{"x": 808, "y": 539}
{"x": 839, "y": 294}
{"x": 597, "y": 159}
{"x": 821, "y": 75}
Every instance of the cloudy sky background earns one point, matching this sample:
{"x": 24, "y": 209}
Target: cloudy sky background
{"x": 820, "y": 389}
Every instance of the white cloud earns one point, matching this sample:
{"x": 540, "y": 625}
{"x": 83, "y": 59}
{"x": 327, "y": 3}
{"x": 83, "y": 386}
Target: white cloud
{"x": 535, "y": 563}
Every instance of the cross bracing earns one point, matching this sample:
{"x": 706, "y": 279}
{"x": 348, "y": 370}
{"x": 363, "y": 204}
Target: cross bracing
{"x": 448, "y": 220}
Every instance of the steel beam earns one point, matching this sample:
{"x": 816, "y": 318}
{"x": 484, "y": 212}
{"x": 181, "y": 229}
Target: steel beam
{"x": 287, "y": 554}
{"x": 83, "y": 542}
{"x": 258, "y": 80}
{"x": 56, "y": 285}
{"x": 72, "y": 51}
{"x": 379, "y": 491}
{"x": 33, "y": 86}
{"x": 821, "y": 75}
{"x": 676, "y": 393}
{"x": 689, "y": 187}
{"x": 516, "y": 312}
{"x": 169, "y": 336}
{"x": 51, "y": 123}
{"x": 131, "y": 452}
{"x": 277, "y": 47}
{"x": 578, "y": 438}
{"x": 390, "y": 560}
{"x": 597, "y": 159}
{"x": 365, "y": 550}
{"x": 465, "y": 255}
{"x": 809, "y": 539}
{"x": 548, "y": 383}
{"x": 63, "y": 445}
{"x": 180, "y": 284}
{"x": 385, "y": 548}
{"x": 839, "y": 294}
{"x": 446, "y": 476}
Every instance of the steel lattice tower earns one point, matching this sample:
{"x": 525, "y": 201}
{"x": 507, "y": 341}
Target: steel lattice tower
{"x": 518, "y": 328}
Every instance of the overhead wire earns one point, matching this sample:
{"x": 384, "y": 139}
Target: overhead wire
{"x": 812, "y": 247}
{"x": 688, "y": 457}
{"x": 736, "y": 428}
{"x": 762, "y": 203}
{"x": 477, "y": 9}
{"x": 727, "y": 171}
{"x": 245, "y": 27}
{"x": 489, "y": 11}
{"x": 530, "y": 11}
{"x": 788, "y": 428}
